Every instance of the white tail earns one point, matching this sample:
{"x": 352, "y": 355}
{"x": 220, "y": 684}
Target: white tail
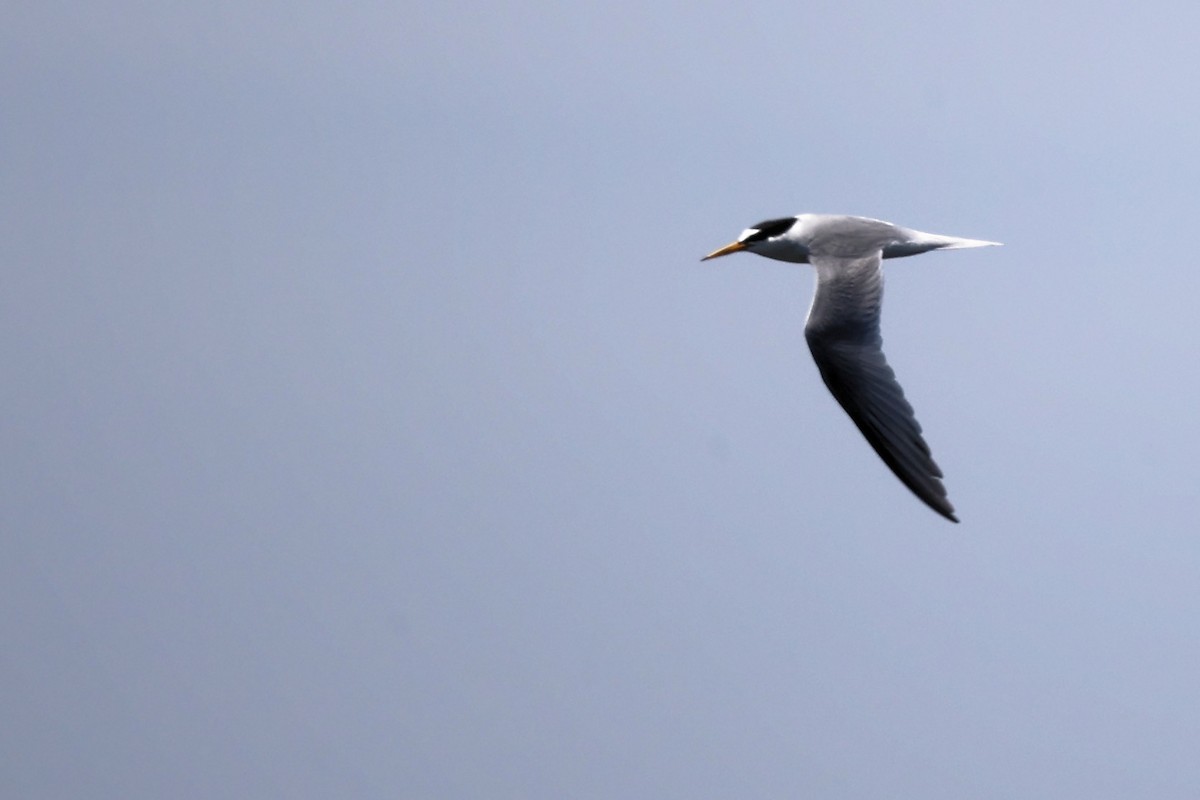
{"x": 921, "y": 242}
{"x": 953, "y": 242}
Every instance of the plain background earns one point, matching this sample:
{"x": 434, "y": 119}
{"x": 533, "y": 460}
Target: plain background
{"x": 370, "y": 427}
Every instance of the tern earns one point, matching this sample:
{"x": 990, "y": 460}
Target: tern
{"x": 842, "y": 328}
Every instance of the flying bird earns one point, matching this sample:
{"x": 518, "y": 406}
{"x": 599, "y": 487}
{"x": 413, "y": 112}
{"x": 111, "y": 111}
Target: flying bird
{"x": 842, "y": 328}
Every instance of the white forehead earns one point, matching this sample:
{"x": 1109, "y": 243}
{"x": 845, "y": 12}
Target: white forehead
{"x": 746, "y": 234}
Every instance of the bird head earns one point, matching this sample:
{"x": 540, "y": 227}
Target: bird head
{"x": 773, "y": 238}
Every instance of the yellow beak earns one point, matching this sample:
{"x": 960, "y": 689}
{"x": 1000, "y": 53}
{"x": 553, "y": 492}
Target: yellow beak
{"x": 724, "y": 251}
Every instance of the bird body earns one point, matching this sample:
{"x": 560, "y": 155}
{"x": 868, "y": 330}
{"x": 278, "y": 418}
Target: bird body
{"x": 843, "y": 332}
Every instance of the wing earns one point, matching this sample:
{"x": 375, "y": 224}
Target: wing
{"x": 843, "y": 334}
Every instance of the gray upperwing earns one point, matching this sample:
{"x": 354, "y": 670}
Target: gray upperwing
{"x": 843, "y": 334}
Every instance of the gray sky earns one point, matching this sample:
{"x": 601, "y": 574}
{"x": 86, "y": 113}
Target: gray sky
{"x": 372, "y": 429}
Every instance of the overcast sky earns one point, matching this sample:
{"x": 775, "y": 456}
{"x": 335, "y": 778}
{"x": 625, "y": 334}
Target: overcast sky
{"x": 371, "y": 429}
